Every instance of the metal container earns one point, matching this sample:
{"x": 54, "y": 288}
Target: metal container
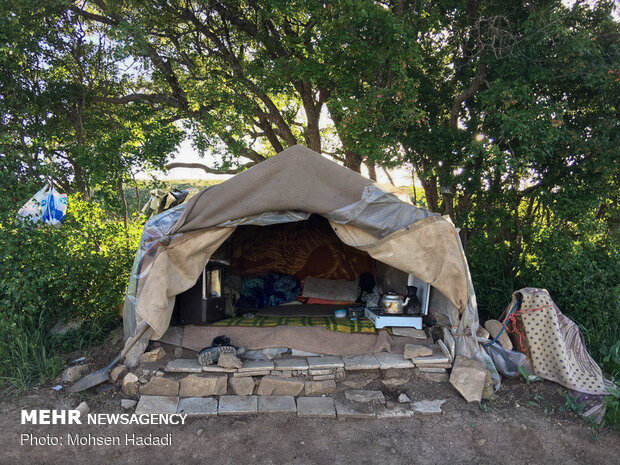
{"x": 392, "y": 304}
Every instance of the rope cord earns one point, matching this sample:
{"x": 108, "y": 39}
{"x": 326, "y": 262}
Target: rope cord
{"x": 511, "y": 317}
{"x": 503, "y": 326}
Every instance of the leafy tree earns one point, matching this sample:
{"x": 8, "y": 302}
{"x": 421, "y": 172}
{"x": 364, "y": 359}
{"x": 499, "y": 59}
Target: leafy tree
{"x": 55, "y": 122}
{"x": 247, "y": 78}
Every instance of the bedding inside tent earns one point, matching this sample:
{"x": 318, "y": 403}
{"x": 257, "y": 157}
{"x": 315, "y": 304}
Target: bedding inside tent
{"x": 302, "y": 249}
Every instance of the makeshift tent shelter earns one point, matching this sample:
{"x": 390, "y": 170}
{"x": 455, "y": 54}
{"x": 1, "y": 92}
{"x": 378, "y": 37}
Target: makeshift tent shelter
{"x": 289, "y": 187}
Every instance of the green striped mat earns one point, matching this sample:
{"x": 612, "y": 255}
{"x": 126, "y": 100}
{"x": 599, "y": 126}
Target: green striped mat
{"x": 343, "y": 325}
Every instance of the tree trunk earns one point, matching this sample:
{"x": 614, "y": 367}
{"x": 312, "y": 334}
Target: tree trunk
{"x": 80, "y": 180}
{"x": 448, "y": 205}
{"x": 372, "y": 171}
{"x": 352, "y": 160}
{"x": 429, "y": 183}
{"x": 121, "y": 195}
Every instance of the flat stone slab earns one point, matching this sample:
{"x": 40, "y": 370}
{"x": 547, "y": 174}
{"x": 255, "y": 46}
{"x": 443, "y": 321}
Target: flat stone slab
{"x": 428, "y": 406}
{"x": 387, "y": 361}
{"x": 198, "y": 406}
{"x": 416, "y": 350}
{"x": 432, "y": 360}
{"x": 351, "y": 410}
{"x": 450, "y": 342}
{"x": 325, "y": 362}
{"x": 291, "y": 363}
{"x": 431, "y": 369}
{"x": 397, "y": 413}
{"x": 409, "y": 332}
{"x": 364, "y": 395}
{"x": 444, "y": 349}
{"x": 360, "y": 362}
{"x": 256, "y": 365}
{"x": 273, "y": 352}
{"x": 184, "y": 365}
{"x": 218, "y": 369}
{"x": 157, "y": 404}
{"x": 303, "y": 353}
{"x": 132, "y": 357}
{"x": 468, "y": 377}
{"x": 317, "y": 407}
{"x": 277, "y": 404}
{"x": 251, "y": 373}
{"x": 237, "y": 405}
{"x": 328, "y": 371}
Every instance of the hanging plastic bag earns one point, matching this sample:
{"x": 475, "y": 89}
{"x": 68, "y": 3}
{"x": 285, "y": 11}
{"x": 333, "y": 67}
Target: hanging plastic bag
{"x": 48, "y": 206}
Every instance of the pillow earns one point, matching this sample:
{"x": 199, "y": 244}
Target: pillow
{"x": 331, "y": 289}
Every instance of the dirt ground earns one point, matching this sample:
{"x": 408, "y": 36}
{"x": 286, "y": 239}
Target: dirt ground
{"x": 524, "y": 424}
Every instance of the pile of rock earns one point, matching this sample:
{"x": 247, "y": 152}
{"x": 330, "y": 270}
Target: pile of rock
{"x": 429, "y": 363}
{"x": 433, "y": 361}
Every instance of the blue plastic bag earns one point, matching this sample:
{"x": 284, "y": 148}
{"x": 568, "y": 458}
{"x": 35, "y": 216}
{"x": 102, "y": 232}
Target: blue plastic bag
{"x": 48, "y": 206}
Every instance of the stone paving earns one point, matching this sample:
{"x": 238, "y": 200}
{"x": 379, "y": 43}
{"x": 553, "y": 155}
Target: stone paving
{"x": 277, "y": 404}
{"x": 346, "y": 409}
{"x": 303, "y": 385}
{"x": 157, "y": 404}
{"x": 316, "y": 407}
{"x": 310, "y": 407}
{"x": 237, "y": 405}
{"x": 360, "y": 362}
{"x": 198, "y": 406}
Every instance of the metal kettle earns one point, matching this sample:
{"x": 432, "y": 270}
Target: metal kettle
{"x": 393, "y": 304}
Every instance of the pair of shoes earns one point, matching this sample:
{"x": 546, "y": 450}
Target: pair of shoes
{"x": 219, "y": 346}
{"x": 211, "y": 355}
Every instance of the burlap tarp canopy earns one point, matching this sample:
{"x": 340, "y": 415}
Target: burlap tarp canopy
{"x": 290, "y": 186}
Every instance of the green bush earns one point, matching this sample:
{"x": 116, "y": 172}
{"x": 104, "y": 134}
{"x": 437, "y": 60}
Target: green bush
{"x": 47, "y": 275}
{"x": 583, "y": 277}
{"x": 580, "y": 271}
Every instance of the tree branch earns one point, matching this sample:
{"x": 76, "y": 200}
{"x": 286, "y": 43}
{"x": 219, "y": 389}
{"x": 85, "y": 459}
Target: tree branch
{"x": 93, "y": 16}
{"x": 151, "y": 98}
{"x": 208, "y": 169}
{"x": 467, "y": 93}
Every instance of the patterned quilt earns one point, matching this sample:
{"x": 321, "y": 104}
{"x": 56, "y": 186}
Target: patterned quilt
{"x": 342, "y": 325}
{"x": 553, "y": 343}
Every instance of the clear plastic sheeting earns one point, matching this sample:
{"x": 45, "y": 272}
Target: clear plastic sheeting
{"x": 506, "y": 361}
{"x": 379, "y": 212}
{"x": 154, "y": 234}
{"x": 466, "y": 339}
{"x": 266, "y": 219}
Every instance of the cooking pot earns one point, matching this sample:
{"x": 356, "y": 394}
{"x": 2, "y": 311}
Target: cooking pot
{"x": 392, "y": 303}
